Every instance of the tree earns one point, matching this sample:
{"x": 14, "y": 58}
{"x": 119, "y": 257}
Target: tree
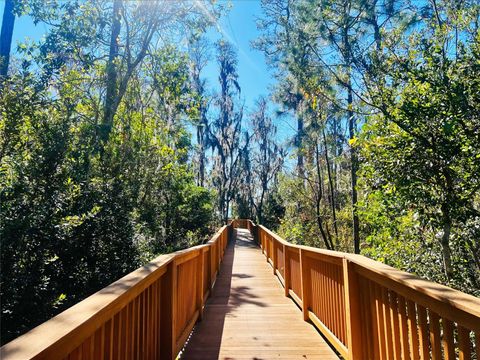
{"x": 338, "y": 22}
{"x": 142, "y": 24}
{"x": 111, "y": 94}
{"x": 199, "y": 54}
{"x": 307, "y": 78}
{"x": 421, "y": 146}
{"x": 267, "y": 158}
{"x": 225, "y": 130}
{"x": 280, "y": 41}
{"x": 74, "y": 219}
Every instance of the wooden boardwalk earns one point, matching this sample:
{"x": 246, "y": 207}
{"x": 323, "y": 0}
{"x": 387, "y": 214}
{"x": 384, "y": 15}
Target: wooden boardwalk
{"x": 248, "y": 316}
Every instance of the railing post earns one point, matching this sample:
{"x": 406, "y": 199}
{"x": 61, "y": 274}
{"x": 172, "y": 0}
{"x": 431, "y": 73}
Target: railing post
{"x": 168, "y": 316}
{"x": 305, "y": 281}
{"x": 274, "y": 256}
{"x": 201, "y": 278}
{"x": 352, "y": 311}
{"x": 286, "y": 270}
{"x": 208, "y": 266}
{"x": 213, "y": 269}
{"x": 223, "y": 242}
{"x": 267, "y": 246}
{"x": 230, "y": 233}
{"x": 262, "y": 243}
{"x": 254, "y": 233}
{"x": 270, "y": 247}
{"x": 219, "y": 252}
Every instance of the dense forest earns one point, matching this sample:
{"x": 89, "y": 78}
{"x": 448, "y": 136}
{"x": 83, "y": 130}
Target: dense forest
{"x": 114, "y": 148}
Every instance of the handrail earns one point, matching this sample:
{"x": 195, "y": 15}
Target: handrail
{"x": 365, "y": 309}
{"x": 148, "y": 313}
{"x": 369, "y": 310}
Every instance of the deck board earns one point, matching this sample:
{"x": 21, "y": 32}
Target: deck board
{"x": 248, "y": 316}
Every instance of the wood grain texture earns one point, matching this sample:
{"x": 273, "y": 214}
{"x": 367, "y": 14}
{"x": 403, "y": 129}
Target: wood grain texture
{"x": 248, "y": 316}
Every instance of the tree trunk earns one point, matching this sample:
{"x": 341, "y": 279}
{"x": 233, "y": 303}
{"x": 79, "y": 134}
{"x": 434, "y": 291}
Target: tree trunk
{"x": 354, "y": 167}
{"x": 201, "y": 139}
{"x": 298, "y": 143}
{"x": 260, "y": 208}
{"x": 112, "y": 87}
{"x": 201, "y": 154}
{"x": 326, "y": 239}
{"x": 445, "y": 241}
{"x": 335, "y": 153}
{"x": 352, "y": 125}
{"x": 447, "y": 257}
{"x": 330, "y": 185}
{"x": 6, "y": 35}
{"x": 373, "y": 19}
{"x": 227, "y": 209}
{"x": 221, "y": 205}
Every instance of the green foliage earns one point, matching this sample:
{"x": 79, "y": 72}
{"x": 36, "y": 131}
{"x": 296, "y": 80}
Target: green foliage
{"x": 298, "y": 225}
{"x": 421, "y": 161}
{"x": 78, "y": 213}
{"x": 274, "y": 210}
{"x": 402, "y": 80}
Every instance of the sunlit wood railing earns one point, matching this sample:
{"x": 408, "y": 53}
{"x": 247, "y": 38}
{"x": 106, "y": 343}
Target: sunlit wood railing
{"x": 148, "y": 314}
{"x": 368, "y": 310}
{"x": 365, "y": 309}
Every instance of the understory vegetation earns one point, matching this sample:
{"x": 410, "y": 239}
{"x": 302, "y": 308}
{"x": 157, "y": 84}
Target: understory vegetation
{"x": 114, "y": 148}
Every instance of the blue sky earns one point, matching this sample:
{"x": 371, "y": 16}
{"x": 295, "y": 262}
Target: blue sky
{"x": 239, "y": 27}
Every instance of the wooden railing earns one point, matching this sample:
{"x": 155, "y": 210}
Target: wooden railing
{"x": 147, "y": 314}
{"x": 368, "y": 310}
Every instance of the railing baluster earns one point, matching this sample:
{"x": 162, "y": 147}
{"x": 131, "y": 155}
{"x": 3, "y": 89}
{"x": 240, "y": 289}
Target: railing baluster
{"x": 109, "y": 340}
{"x": 374, "y": 320}
{"x": 369, "y": 326}
{"x": 402, "y": 318}
{"x": 395, "y": 326}
{"x": 136, "y": 309}
{"x": 435, "y": 336}
{"x": 380, "y": 321}
{"x": 412, "y": 330}
{"x": 423, "y": 333}
{"x": 274, "y": 256}
{"x": 122, "y": 334}
{"x": 286, "y": 271}
{"x": 448, "y": 339}
{"x": 386, "y": 323}
{"x": 99, "y": 343}
{"x": 464, "y": 343}
{"x": 155, "y": 324}
{"x": 331, "y": 300}
{"x": 336, "y": 300}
